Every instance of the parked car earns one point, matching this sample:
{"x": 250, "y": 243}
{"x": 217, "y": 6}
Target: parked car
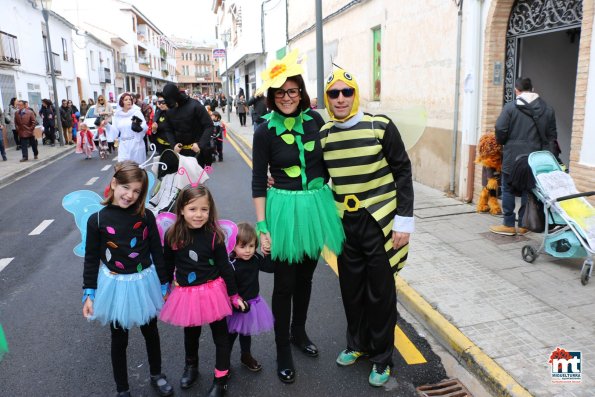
{"x": 90, "y": 117}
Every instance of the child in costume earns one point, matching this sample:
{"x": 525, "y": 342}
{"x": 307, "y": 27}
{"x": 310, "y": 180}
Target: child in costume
{"x": 84, "y": 141}
{"x": 102, "y": 138}
{"x": 205, "y": 289}
{"x": 218, "y": 134}
{"x": 123, "y": 268}
{"x": 490, "y": 157}
{"x": 247, "y": 264}
{"x": 296, "y": 218}
{"x": 373, "y": 189}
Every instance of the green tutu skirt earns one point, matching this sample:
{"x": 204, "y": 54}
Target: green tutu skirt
{"x": 3, "y": 343}
{"x": 302, "y": 222}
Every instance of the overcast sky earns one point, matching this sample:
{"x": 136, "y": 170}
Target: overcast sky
{"x": 188, "y": 19}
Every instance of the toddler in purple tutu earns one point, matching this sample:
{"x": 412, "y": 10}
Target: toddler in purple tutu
{"x": 247, "y": 263}
{"x": 204, "y": 288}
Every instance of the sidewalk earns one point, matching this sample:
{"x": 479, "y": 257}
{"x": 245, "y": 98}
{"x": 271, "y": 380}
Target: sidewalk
{"x": 12, "y": 169}
{"x": 502, "y": 317}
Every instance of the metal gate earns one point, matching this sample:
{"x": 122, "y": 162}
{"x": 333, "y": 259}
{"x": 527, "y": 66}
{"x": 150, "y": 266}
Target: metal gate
{"x": 533, "y": 17}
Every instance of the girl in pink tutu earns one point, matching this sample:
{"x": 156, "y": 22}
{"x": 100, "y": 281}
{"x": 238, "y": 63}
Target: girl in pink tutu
{"x": 247, "y": 264}
{"x": 205, "y": 289}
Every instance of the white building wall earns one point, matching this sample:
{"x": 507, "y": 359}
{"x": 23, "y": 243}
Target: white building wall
{"x": 31, "y": 79}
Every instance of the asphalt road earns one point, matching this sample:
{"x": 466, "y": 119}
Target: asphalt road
{"x": 54, "y": 351}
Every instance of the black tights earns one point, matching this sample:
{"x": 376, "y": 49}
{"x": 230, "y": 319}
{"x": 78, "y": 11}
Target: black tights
{"x": 119, "y": 345}
{"x": 221, "y": 339}
{"x": 293, "y": 284}
{"x": 245, "y": 342}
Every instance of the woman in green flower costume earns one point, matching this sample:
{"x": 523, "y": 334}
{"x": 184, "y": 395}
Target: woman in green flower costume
{"x": 297, "y": 217}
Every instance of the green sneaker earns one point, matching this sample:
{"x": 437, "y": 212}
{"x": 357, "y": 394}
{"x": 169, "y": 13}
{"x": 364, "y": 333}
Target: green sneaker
{"x": 348, "y": 357}
{"x": 379, "y": 375}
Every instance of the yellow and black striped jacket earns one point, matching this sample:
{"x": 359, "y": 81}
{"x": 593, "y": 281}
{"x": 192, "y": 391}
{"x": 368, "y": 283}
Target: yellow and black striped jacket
{"x": 370, "y": 169}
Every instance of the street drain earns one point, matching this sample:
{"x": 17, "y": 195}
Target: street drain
{"x": 446, "y": 388}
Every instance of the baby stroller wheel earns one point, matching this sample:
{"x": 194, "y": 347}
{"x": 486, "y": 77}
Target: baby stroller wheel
{"x": 529, "y": 254}
{"x": 586, "y": 272}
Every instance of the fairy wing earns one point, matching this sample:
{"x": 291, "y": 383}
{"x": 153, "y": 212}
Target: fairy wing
{"x": 81, "y": 204}
{"x": 231, "y": 233}
{"x": 164, "y": 221}
{"x": 151, "y": 186}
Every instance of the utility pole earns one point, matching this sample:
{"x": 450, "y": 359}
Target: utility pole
{"x": 46, "y": 16}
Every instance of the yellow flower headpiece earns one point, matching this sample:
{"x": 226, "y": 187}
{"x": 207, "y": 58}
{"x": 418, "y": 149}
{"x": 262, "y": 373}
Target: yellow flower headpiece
{"x": 279, "y": 70}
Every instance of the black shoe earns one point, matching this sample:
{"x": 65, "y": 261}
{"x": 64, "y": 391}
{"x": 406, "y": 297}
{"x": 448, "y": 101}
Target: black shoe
{"x": 219, "y": 387}
{"x": 189, "y": 376}
{"x": 159, "y": 382}
{"x": 4, "y": 158}
{"x": 124, "y": 394}
{"x": 18, "y": 147}
{"x": 285, "y": 367}
{"x": 300, "y": 339}
{"x": 286, "y": 375}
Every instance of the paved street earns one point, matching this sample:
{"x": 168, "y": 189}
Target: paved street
{"x": 55, "y": 352}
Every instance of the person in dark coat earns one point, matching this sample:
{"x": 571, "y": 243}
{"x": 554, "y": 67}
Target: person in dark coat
{"x": 259, "y": 109}
{"x": 66, "y": 119}
{"x": 526, "y": 125}
{"x": 191, "y": 124}
{"x": 25, "y": 122}
{"x": 48, "y": 117}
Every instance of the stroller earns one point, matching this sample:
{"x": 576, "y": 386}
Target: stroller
{"x": 569, "y": 218}
{"x": 177, "y": 172}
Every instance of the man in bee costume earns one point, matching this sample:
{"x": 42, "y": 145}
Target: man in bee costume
{"x": 373, "y": 190}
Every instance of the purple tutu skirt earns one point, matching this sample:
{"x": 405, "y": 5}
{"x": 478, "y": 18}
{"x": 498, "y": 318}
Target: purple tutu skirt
{"x": 258, "y": 320}
{"x": 197, "y": 305}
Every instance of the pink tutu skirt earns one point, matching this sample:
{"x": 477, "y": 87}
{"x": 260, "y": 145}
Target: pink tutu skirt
{"x": 258, "y": 320}
{"x": 197, "y": 305}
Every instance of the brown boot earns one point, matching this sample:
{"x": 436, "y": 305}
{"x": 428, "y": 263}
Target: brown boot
{"x": 250, "y": 362}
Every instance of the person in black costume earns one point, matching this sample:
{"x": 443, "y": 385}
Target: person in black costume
{"x": 162, "y": 136}
{"x": 190, "y": 122}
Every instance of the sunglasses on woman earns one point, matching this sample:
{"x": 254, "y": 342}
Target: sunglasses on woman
{"x": 347, "y": 93}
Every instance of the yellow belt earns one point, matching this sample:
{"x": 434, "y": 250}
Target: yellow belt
{"x": 187, "y": 146}
{"x": 163, "y": 141}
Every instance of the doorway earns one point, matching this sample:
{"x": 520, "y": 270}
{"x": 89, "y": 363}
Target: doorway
{"x": 550, "y": 61}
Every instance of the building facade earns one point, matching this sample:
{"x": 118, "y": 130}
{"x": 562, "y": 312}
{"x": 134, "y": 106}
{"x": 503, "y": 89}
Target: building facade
{"x": 25, "y": 71}
{"x": 94, "y": 61}
{"x": 196, "y": 69}
{"x": 405, "y": 56}
{"x": 249, "y": 45}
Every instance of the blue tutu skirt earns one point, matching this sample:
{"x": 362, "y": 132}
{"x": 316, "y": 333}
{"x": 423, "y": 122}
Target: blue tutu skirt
{"x": 258, "y": 320}
{"x": 128, "y": 300}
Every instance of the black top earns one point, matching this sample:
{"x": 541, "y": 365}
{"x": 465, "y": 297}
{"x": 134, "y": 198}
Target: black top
{"x": 259, "y": 108}
{"x": 246, "y": 274}
{"x": 190, "y": 123}
{"x": 270, "y": 151}
{"x": 201, "y": 257}
{"x": 164, "y": 130}
{"x": 124, "y": 242}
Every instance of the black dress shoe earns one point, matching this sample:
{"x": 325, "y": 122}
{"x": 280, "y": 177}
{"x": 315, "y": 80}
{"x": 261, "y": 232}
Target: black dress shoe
{"x": 286, "y": 375}
{"x": 304, "y": 344}
{"x": 189, "y": 376}
{"x": 159, "y": 382}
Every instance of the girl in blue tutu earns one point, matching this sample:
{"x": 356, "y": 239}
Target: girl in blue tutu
{"x": 123, "y": 268}
{"x": 205, "y": 289}
{"x": 247, "y": 264}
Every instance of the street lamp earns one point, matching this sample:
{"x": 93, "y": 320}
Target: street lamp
{"x": 45, "y": 7}
{"x": 226, "y": 37}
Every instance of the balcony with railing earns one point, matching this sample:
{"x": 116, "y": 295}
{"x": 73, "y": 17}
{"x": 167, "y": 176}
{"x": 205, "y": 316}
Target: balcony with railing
{"x": 163, "y": 53}
{"x": 105, "y": 75}
{"x": 57, "y": 65}
{"x": 9, "y": 50}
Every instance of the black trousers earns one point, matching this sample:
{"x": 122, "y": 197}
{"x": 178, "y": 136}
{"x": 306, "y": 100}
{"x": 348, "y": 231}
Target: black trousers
{"x": 25, "y": 142}
{"x": 220, "y": 338}
{"x": 17, "y": 141}
{"x": 242, "y": 117}
{"x": 368, "y": 288}
{"x": 245, "y": 342}
{"x": 119, "y": 345}
{"x": 293, "y": 284}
